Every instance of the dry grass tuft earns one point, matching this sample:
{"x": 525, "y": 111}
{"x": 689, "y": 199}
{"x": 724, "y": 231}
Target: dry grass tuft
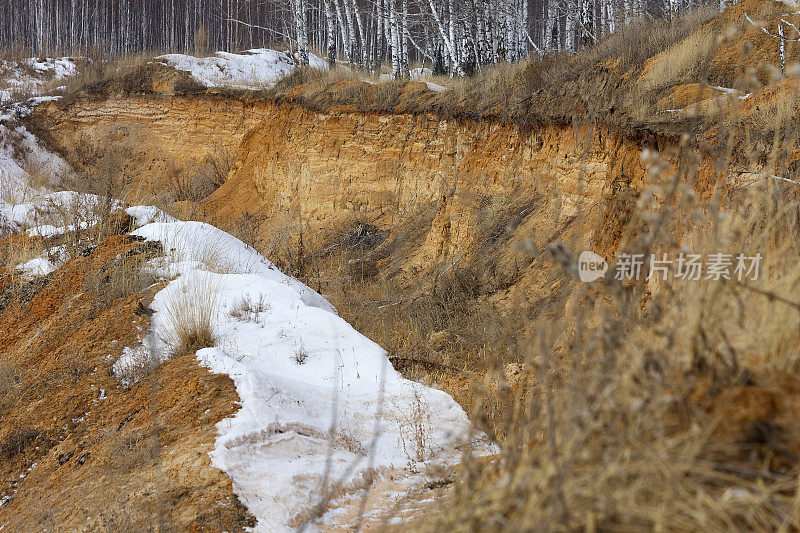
{"x": 131, "y": 450}
{"x": 18, "y": 441}
{"x": 190, "y": 312}
{"x": 247, "y": 310}
{"x": 9, "y": 381}
{"x": 119, "y": 279}
{"x": 681, "y": 59}
{"x": 18, "y": 251}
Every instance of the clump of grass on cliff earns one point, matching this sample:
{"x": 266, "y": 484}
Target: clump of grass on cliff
{"x": 105, "y": 75}
{"x": 189, "y": 318}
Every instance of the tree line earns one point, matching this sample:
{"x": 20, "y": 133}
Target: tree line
{"x": 456, "y": 36}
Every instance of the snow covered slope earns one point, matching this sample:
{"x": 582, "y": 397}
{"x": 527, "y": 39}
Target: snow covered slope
{"x": 253, "y": 69}
{"x": 20, "y": 152}
{"x": 32, "y": 74}
{"x": 322, "y": 409}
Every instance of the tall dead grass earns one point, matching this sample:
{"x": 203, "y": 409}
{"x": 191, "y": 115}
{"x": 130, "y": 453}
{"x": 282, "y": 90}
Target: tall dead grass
{"x": 100, "y": 68}
{"x": 649, "y": 404}
{"x": 190, "y": 313}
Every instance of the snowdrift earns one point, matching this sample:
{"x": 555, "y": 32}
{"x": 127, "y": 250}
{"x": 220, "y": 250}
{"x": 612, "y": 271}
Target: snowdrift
{"x": 32, "y": 74}
{"x": 322, "y": 409}
{"x": 253, "y": 69}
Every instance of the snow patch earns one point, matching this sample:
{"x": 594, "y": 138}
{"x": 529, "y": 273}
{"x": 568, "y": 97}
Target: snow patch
{"x": 417, "y": 74}
{"x": 38, "y": 266}
{"x": 435, "y": 88}
{"x": 253, "y": 69}
{"x": 32, "y": 74}
{"x": 321, "y": 406}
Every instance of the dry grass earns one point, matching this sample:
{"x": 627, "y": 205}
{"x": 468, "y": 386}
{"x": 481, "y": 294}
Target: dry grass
{"x": 189, "y": 313}
{"x": 100, "y": 68}
{"x": 18, "y": 441}
{"x": 645, "y": 405}
{"x": 679, "y": 61}
{"x": 119, "y": 279}
{"x": 197, "y": 181}
{"x": 775, "y": 107}
{"x": 9, "y": 382}
{"x": 516, "y": 92}
{"x": 74, "y": 366}
{"x": 130, "y": 450}
{"x": 247, "y": 309}
{"x": 19, "y": 251}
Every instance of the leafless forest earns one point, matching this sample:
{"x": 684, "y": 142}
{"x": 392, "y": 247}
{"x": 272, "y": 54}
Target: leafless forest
{"x": 458, "y": 36}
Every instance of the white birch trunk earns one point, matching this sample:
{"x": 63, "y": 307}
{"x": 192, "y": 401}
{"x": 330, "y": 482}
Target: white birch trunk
{"x": 342, "y": 25}
{"x": 569, "y": 31}
{"x": 351, "y": 32}
{"x": 302, "y": 31}
{"x": 553, "y": 27}
{"x": 331, "y": 35}
{"x": 362, "y": 46}
{"x": 379, "y": 33}
{"x": 451, "y": 50}
{"x": 404, "y": 41}
{"x": 393, "y": 29}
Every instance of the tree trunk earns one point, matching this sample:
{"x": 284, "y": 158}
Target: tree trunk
{"x": 331, "y": 35}
{"x": 302, "y": 32}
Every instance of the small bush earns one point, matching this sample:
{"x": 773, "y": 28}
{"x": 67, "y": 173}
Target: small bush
{"x": 300, "y": 355}
{"x": 247, "y": 310}
{"x": 130, "y": 450}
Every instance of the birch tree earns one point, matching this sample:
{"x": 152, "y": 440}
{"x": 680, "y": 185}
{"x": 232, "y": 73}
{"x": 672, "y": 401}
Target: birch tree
{"x": 299, "y": 14}
{"x": 330, "y": 42}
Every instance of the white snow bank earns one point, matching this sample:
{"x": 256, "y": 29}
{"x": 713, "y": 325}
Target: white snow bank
{"x": 435, "y": 87}
{"x": 191, "y": 246}
{"x": 253, "y": 69}
{"x": 147, "y": 214}
{"x": 20, "y": 151}
{"x": 321, "y": 406}
{"x": 38, "y": 266}
{"x": 32, "y": 74}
